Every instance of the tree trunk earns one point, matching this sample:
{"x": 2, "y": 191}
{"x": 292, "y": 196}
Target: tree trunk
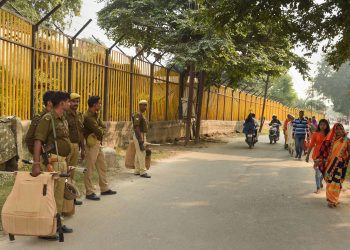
{"x": 189, "y": 105}
{"x": 263, "y": 109}
{"x": 199, "y": 106}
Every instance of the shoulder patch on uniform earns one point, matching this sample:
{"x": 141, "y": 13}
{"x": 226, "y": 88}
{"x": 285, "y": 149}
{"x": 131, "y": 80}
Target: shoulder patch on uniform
{"x": 47, "y": 118}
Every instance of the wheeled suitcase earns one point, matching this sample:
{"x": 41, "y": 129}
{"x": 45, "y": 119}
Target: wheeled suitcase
{"x": 30, "y": 209}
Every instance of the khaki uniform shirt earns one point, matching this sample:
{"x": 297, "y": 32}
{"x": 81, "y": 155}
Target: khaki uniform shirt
{"x": 75, "y": 125}
{"x": 44, "y": 133}
{"x": 140, "y": 120}
{"x": 93, "y": 125}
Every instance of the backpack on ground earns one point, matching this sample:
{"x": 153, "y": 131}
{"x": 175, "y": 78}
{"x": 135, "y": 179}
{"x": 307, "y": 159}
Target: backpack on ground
{"x": 30, "y": 209}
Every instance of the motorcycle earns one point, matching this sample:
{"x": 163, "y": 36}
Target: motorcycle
{"x": 251, "y": 138}
{"x": 273, "y": 133}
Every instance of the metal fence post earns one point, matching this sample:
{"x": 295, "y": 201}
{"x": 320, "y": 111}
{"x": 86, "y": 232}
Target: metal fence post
{"x": 32, "y": 73}
{"x": 151, "y": 93}
{"x": 217, "y": 104}
{"x": 35, "y": 28}
{"x": 232, "y": 103}
{"x": 167, "y": 94}
{"x": 223, "y": 117}
{"x": 71, "y": 42}
{"x": 131, "y": 86}
{"x": 206, "y": 115}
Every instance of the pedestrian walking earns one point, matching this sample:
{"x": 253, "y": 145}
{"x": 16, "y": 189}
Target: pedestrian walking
{"x": 300, "y": 132}
{"x": 94, "y": 130}
{"x": 333, "y": 162}
{"x": 75, "y": 125}
{"x": 290, "y": 140}
{"x": 316, "y": 141}
{"x": 285, "y": 130}
{"x": 140, "y": 125}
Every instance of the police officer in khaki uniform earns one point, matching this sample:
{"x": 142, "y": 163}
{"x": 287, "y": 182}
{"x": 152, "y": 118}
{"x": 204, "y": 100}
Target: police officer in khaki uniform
{"x": 94, "y": 130}
{"x": 47, "y": 100}
{"x": 75, "y": 125}
{"x": 44, "y": 135}
{"x": 140, "y": 129}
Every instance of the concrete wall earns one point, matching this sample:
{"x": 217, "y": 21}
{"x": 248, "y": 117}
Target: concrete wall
{"x": 119, "y": 133}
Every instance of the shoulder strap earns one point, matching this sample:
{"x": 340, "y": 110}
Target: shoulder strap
{"x": 54, "y": 136}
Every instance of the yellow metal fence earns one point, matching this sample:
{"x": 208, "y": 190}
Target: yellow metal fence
{"x": 34, "y": 61}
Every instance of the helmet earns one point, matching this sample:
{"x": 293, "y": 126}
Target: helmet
{"x": 71, "y": 192}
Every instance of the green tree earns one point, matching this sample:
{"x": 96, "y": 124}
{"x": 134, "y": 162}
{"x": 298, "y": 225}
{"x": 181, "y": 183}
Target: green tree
{"x": 34, "y": 10}
{"x": 334, "y": 85}
{"x": 282, "y": 90}
{"x": 333, "y": 26}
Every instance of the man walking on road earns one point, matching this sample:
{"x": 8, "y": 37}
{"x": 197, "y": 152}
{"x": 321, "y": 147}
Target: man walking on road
{"x": 140, "y": 129}
{"x": 94, "y": 130}
{"x": 300, "y": 131}
{"x": 75, "y": 125}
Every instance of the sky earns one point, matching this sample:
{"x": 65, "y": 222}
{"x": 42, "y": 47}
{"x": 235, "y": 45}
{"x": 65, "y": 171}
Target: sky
{"x": 90, "y": 7}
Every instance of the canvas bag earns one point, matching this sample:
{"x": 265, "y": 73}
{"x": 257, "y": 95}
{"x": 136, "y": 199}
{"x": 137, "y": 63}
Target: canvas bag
{"x": 30, "y": 209}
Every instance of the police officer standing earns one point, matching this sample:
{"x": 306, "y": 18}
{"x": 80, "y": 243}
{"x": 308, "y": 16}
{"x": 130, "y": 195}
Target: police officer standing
{"x": 75, "y": 125}
{"x": 140, "y": 124}
{"x": 94, "y": 130}
{"x": 53, "y": 123}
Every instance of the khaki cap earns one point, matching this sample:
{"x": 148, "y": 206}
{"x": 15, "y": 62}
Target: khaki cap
{"x": 143, "y": 102}
{"x": 74, "y": 96}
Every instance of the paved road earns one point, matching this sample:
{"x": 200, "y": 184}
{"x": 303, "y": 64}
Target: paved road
{"x": 222, "y": 197}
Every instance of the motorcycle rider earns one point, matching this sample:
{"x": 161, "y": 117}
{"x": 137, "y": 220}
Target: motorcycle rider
{"x": 250, "y": 124}
{"x": 276, "y": 121}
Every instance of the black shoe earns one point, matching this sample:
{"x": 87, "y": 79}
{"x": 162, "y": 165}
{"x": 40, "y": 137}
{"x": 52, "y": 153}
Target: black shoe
{"x": 136, "y": 173}
{"x": 78, "y": 203}
{"x": 145, "y": 175}
{"x": 108, "y": 192}
{"x": 93, "y": 197}
{"x": 66, "y": 230}
{"x": 50, "y": 238}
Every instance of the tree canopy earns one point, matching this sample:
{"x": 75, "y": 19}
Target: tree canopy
{"x": 282, "y": 90}
{"x": 243, "y": 47}
{"x": 334, "y": 85}
{"x": 34, "y": 10}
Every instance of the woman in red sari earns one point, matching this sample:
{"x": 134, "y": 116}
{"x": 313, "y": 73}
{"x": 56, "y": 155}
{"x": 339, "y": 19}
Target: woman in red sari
{"x": 333, "y": 161}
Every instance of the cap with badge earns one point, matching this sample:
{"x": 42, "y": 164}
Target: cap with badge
{"x": 74, "y": 96}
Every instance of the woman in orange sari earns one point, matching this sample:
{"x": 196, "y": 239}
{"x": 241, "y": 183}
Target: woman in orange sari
{"x": 316, "y": 142}
{"x": 333, "y": 162}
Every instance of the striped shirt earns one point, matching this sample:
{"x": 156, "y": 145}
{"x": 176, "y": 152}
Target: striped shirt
{"x": 300, "y": 127}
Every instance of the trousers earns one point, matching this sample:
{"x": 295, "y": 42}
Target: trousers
{"x": 299, "y": 145}
{"x": 140, "y": 158}
{"x": 95, "y": 158}
{"x": 72, "y": 159}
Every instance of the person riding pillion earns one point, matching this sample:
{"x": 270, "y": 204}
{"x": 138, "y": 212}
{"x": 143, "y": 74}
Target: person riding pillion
{"x": 52, "y": 133}
{"x": 94, "y": 130}
{"x": 75, "y": 125}
{"x": 140, "y": 125}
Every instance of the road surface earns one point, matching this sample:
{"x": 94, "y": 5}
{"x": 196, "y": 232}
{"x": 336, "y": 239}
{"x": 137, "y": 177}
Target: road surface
{"x": 222, "y": 197}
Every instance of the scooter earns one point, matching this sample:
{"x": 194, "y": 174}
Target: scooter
{"x": 273, "y": 133}
{"x": 252, "y": 138}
